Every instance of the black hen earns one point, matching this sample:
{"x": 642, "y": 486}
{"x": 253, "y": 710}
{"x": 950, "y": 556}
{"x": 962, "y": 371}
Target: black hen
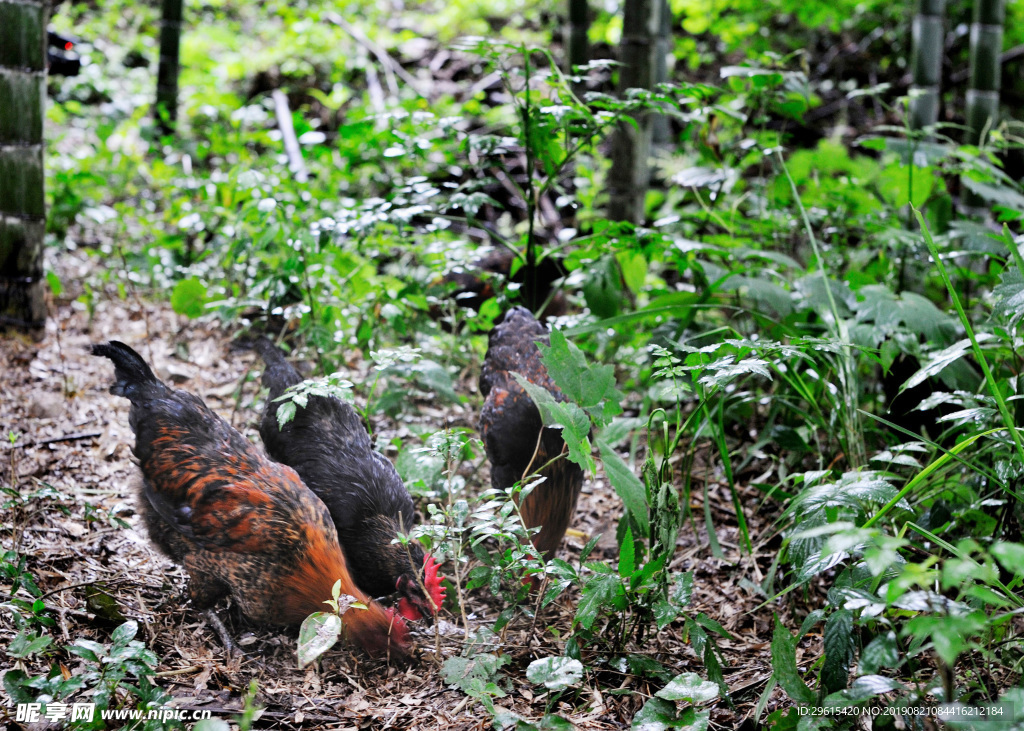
{"x": 515, "y": 439}
{"x": 327, "y": 444}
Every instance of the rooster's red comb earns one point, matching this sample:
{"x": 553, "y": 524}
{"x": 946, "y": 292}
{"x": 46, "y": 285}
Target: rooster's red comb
{"x": 432, "y": 581}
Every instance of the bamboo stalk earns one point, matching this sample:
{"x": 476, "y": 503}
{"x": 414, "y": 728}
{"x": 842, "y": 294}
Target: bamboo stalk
{"x": 662, "y": 51}
{"x": 926, "y": 64}
{"x": 579, "y": 42}
{"x": 630, "y": 173}
{"x": 986, "y": 45}
{"x": 167, "y": 73}
{"x": 22, "y": 196}
{"x": 983, "y": 94}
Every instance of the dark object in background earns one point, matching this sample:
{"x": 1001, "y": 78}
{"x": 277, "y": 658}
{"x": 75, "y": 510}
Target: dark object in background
{"x": 516, "y": 441}
{"x": 62, "y": 59}
{"x": 474, "y": 287}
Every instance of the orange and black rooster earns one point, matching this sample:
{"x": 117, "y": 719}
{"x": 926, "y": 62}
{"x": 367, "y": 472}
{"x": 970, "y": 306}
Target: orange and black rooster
{"x": 327, "y": 444}
{"x": 515, "y": 439}
{"x": 240, "y": 524}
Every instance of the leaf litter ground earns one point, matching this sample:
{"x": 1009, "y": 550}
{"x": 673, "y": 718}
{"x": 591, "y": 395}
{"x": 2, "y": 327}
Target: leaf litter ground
{"x": 74, "y": 437}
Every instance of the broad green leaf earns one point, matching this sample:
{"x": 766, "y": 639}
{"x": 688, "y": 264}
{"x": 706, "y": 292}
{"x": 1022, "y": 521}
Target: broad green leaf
{"x": 626, "y": 485}
{"x": 682, "y": 589}
{"x": 575, "y": 424}
{"x": 26, "y": 644}
{"x": 1009, "y": 296}
{"x": 125, "y": 633}
{"x": 689, "y": 687}
{"x": 784, "y": 665}
{"x": 881, "y": 652}
{"x": 599, "y": 591}
{"x": 1000, "y": 195}
{"x": 943, "y": 359}
{"x": 476, "y": 672}
{"x": 318, "y": 634}
{"x": 658, "y": 714}
{"x": 189, "y": 298}
{"x": 1010, "y": 555}
{"x": 810, "y": 620}
{"x": 590, "y": 386}
{"x": 555, "y": 673}
{"x": 634, "y": 269}
{"x": 839, "y": 650}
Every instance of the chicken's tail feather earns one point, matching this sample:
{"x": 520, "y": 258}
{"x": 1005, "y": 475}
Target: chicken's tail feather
{"x": 279, "y": 374}
{"x": 131, "y": 372}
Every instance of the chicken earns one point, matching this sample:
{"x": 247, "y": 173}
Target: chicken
{"x": 240, "y": 524}
{"x": 515, "y": 440}
{"x": 474, "y": 286}
{"x": 327, "y": 444}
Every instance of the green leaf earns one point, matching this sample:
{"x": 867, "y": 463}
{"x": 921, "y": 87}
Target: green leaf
{"x": 574, "y": 422}
{"x": 689, "y": 687}
{"x": 784, "y": 665}
{"x": 634, "y": 269}
{"x": 590, "y": 386}
{"x": 15, "y": 683}
{"x": 951, "y": 635}
{"x": 599, "y": 591}
{"x": 590, "y": 545}
{"x": 602, "y": 288}
{"x": 627, "y": 558}
{"x": 1010, "y": 555}
{"x": 55, "y": 284}
{"x": 838, "y": 650}
{"x": 658, "y": 714}
{"x": 26, "y": 644}
{"x": 189, "y": 298}
{"x": 943, "y": 359}
{"x": 125, "y": 633}
{"x": 555, "y": 673}
{"x": 627, "y": 486}
{"x": 881, "y": 652}
{"x": 285, "y": 413}
{"x": 318, "y": 634}
{"x": 999, "y": 195}
{"x": 708, "y": 623}
{"x": 475, "y": 675}
{"x": 212, "y": 724}
{"x": 810, "y": 620}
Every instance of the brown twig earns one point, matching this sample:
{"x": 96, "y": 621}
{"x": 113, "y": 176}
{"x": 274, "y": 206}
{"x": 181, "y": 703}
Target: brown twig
{"x": 64, "y": 438}
{"x": 391, "y": 67}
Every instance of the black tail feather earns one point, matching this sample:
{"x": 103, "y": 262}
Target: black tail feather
{"x": 130, "y": 370}
{"x": 279, "y": 374}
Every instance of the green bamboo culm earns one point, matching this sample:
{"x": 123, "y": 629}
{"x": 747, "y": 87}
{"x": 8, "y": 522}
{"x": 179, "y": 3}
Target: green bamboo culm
{"x": 659, "y": 122}
{"x": 579, "y": 42}
{"x": 630, "y": 172}
{"x": 167, "y": 73}
{"x": 926, "y": 64}
{"x": 983, "y": 94}
{"x": 22, "y": 199}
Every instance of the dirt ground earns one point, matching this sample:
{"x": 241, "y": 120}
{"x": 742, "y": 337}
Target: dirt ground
{"x": 74, "y": 437}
